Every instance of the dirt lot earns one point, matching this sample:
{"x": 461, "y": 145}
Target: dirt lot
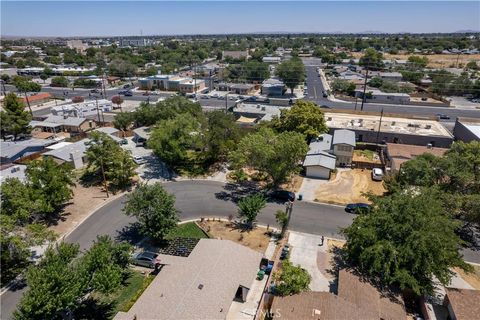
{"x": 294, "y": 185}
{"x": 84, "y": 201}
{"x": 472, "y": 278}
{"x": 256, "y": 239}
{"x": 435, "y": 60}
{"x": 348, "y": 187}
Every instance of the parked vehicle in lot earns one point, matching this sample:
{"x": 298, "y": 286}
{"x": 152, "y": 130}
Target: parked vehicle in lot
{"x": 95, "y": 91}
{"x": 377, "y": 174}
{"x": 146, "y": 259}
{"x": 139, "y": 160}
{"x": 128, "y": 94}
{"x": 325, "y": 95}
{"x": 284, "y": 195}
{"x": 357, "y": 208}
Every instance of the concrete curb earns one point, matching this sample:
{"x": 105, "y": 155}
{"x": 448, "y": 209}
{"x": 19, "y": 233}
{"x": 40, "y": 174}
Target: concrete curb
{"x": 62, "y": 237}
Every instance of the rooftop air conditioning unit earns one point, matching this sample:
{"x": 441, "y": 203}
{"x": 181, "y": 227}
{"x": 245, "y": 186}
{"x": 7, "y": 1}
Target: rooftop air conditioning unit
{"x": 428, "y": 126}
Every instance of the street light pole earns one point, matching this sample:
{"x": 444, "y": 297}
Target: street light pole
{"x": 364, "y": 89}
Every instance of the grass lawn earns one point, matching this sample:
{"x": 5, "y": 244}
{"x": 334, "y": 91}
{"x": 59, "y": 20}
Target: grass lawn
{"x": 187, "y": 230}
{"x": 125, "y": 296}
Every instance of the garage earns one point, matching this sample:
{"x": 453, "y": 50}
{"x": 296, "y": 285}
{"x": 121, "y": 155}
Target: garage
{"x": 319, "y": 165}
{"x": 317, "y": 172}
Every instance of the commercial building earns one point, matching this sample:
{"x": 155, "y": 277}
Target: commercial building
{"x": 273, "y": 87}
{"x": 134, "y": 42}
{"x": 238, "y": 88}
{"x": 377, "y": 129}
{"x": 172, "y": 83}
{"x": 272, "y": 59}
{"x": 36, "y": 71}
{"x": 77, "y": 45}
{"x": 467, "y": 129}
{"x": 375, "y": 95}
{"x": 200, "y": 286}
{"x": 262, "y": 112}
{"x": 356, "y": 300}
{"x": 83, "y": 109}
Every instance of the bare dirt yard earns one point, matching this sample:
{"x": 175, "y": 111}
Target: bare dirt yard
{"x": 256, "y": 239}
{"x": 434, "y": 60}
{"x": 294, "y": 185}
{"x": 85, "y": 200}
{"x": 349, "y": 186}
{"x": 473, "y": 278}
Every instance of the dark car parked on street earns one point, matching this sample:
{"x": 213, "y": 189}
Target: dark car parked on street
{"x": 283, "y": 195}
{"x": 357, "y": 208}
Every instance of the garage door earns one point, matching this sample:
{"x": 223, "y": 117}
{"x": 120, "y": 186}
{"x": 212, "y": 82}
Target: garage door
{"x": 318, "y": 172}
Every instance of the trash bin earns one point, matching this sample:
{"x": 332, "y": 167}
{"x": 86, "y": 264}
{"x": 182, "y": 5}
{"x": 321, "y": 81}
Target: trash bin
{"x": 300, "y": 197}
{"x": 260, "y": 275}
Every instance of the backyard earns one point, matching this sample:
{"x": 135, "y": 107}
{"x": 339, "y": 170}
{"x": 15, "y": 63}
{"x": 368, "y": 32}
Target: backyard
{"x": 256, "y": 239}
{"x": 349, "y": 186}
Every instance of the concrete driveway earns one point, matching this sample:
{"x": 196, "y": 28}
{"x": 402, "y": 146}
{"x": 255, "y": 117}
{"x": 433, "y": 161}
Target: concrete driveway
{"x": 307, "y": 251}
{"x": 309, "y": 186}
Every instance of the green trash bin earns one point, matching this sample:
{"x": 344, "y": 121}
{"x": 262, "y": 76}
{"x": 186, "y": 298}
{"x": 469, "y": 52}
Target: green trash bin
{"x": 260, "y": 274}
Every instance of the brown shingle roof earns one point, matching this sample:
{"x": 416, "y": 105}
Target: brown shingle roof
{"x": 39, "y": 96}
{"x": 465, "y": 303}
{"x": 356, "y": 300}
{"x": 363, "y": 294}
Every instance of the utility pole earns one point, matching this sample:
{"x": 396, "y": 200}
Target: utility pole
{"x": 28, "y": 102}
{"x": 104, "y": 177}
{"x": 288, "y": 211}
{"x": 226, "y": 103}
{"x": 364, "y": 89}
{"x": 98, "y": 111}
{"x": 379, "y": 125}
{"x": 356, "y": 100}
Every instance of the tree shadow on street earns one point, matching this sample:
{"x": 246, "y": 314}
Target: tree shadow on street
{"x": 235, "y": 191}
{"x": 130, "y": 234}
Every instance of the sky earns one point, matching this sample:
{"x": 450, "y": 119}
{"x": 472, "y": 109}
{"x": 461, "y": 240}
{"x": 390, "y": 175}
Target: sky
{"x": 132, "y": 18}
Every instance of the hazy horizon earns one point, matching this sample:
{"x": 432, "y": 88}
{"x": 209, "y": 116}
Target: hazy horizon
{"x": 127, "y": 18}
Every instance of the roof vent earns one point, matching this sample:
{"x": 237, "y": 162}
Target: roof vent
{"x": 200, "y": 286}
{"x": 429, "y": 146}
{"x": 428, "y": 126}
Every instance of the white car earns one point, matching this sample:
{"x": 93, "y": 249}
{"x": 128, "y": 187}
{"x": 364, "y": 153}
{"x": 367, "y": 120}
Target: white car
{"x": 139, "y": 160}
{"x": 377, "y": 174}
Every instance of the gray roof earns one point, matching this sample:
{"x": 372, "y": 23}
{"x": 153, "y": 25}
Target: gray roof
{"x": 14, "y": 150}
{"x": 322, "y": 159}
{"x": 143, "y": 132}
{"x": 322, "y": 143}
{"x": 220, "y": 266}
{"x": 77, "y": 148}
{"x": 344, "y": 137}
{"x": 45, "y": 124}
{"x": 67, "y": 121}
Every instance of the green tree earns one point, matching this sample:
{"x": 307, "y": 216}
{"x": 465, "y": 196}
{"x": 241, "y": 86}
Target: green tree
{"x": 371, "y": 59}
{"x": 249, "y": 207}
{"x": 256, "y": 71}
{"x": 24, "y": 84}
{"x": 172, "y": 138}
{"x": 222, "y": 134}
{"x": 277, "y": 155}
{"x": 291, "y": 279}
{"x": 109, "y": 161}
{"x": 291, "y": 72}
{"x": 60, "y": 81}
{"x": 417, "y": 62}
{"x": 118, "y": 100}
{"x": 304, "y": 117}
{"x": 44, "y": 77}
{"x": 52, "y": 181}
{"x": 282, "y": 219}
{"x": 122, "y": 68}
{"x": 472, "y": 65}
{"x": 19, "y": 202}
{"x": 375, "y": 82}
{"x": 343, "y": 86}
{"x": 406, "y": 240}
{"x": 123, "y": 120}
{"x": 15, "y": 119}
{"x": 57, "y": 285}
{"x": 154, "y": 209}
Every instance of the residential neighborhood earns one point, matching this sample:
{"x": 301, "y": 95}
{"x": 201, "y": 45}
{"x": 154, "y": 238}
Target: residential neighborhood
{"x": 283, "y": 165}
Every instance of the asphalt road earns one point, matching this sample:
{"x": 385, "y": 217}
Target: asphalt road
{"x": 315, "y": 89}
{"x": 197, "y": 199}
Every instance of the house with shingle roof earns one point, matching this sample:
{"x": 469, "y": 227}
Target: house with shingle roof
{"x": 356, "y": 300}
